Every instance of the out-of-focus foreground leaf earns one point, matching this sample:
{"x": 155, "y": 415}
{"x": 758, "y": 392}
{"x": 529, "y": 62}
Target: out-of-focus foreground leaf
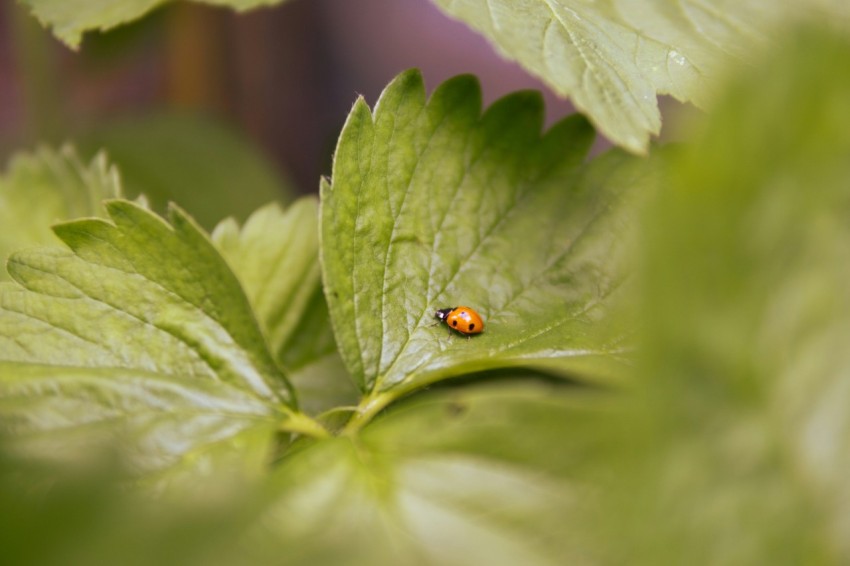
{"x": 433, "y": 205}
{"x": 476, "y": 475}
{"x": 208, "y": 169}
{"x": 140, "y": 331}
{"x": 54, "y": 516}
{"x": 444, "y": 478}
{"x": 275, "y": 255}
{"x": 70, "y": 19}
{"x": 613, "y": 58}
{"x": 45, "y": 187}
{"x": 738, "y": 449}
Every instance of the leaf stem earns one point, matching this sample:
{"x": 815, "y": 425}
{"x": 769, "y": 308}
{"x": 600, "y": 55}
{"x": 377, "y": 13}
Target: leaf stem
{"x": 370, "y": 406}
{"x": 302, "y": 424}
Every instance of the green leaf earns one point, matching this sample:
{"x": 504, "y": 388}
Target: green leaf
{"x": 139, "y": 326}
{"x": 613, "y": 58}
{"x": 48, "y": 186}
{"x": 210, "y": 170}
{"x": 745, "y": 419}
{"x": 276, "y": 258}
{"x": 426, "y": 484}
{"x": 70, "y": 19}
{"x": 55, "y": 515}
{"x": 434, "y": 206}
{"x": 65, "y": 413}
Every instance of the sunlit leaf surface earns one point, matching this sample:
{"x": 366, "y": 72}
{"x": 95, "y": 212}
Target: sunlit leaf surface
{"x": 139, "y": 329}
{"x": 613, "y": 58}
{"x": 433, "y": 205}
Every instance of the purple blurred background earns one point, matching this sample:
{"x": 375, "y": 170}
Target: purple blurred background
{"x": 285, "y": 76}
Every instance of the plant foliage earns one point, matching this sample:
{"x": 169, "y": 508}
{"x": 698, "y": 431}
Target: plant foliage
{"x": 142, "y": 329}
{"x": 433, "y": 205}
{"x": 47, "y": 186}
{"x": 689, "y": 309}
{"x": 70, "y": 19}
{"x": 613, "y": 58}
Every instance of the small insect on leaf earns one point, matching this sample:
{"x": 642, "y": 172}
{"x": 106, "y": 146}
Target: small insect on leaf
{"x": 462, "y": 319}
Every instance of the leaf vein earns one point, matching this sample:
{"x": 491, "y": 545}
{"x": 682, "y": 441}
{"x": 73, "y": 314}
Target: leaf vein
{"x": 116, "y": 308}
{"x": 407, "y": 190}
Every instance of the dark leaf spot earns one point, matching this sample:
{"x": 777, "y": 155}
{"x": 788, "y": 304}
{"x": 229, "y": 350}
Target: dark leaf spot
{"x": 456, "y": 409}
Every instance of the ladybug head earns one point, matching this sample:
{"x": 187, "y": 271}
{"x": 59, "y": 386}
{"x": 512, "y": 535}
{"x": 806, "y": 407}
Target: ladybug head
{"x": 443, "y": 313}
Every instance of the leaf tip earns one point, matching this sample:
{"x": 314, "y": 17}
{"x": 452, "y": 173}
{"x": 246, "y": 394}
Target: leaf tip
{"x": 407, "y": 85}
{"x": 410, "y": 79}
{"x": 360, "y": 111}
{"x": 119, "y": 207}
{"x": 460, "y": 91}
{"x": 77, "y": 233}
{"x": 183, "y": 222}
{"x": 522, "y": 112}
{"x": 575, "y": 132}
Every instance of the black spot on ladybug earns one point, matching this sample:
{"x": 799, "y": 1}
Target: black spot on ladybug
{"x": 454, "y": 323}
{"x": 471, "y": 327}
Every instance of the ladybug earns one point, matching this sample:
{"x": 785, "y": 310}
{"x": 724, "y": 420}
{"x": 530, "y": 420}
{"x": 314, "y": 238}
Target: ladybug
{"x": 463, "y": 319}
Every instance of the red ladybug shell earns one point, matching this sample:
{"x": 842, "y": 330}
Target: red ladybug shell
{"x": 463, "y": 319}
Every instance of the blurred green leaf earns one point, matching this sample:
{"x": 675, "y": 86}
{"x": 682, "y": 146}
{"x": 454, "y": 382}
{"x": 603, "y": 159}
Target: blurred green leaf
{"x": 324, "y": 386}
{"x": 426, "y": 484}
{"x": 53, "y": 516}
{"x": 275, "y": 255}
{"x": 45, "y": 187}
{"x": 70, "y": 19}
{"x": 139, "y": 329}
{"x": 433, "y": 206}
{"x": 739, "y": 445}
{"x": 205, "y": 167}
{"x": 612, "y": 58}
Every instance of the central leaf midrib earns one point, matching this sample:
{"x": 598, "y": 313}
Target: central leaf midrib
{"x": 521, "y": 193}
{"x": 408, "y": 188}
{"x": 233, "y": 376}
{"x": 358, "y": 207}
{"x": 413, "y": 373}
